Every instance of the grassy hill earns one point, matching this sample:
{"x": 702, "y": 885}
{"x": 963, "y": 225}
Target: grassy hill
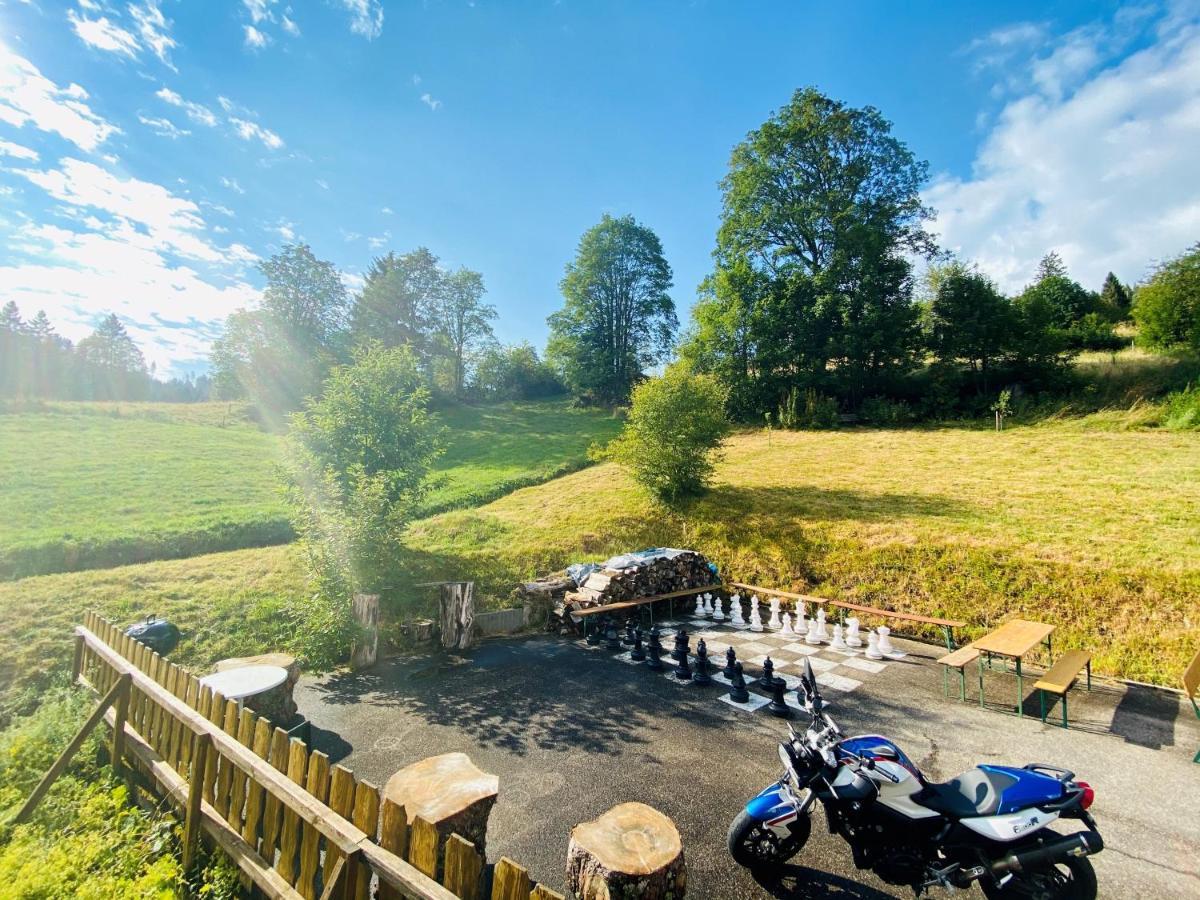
{"x": 1096, "y": 532}
{"x": 94, "y": 485}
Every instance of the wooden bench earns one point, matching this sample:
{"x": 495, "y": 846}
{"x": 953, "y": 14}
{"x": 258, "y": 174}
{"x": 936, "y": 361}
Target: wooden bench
{"x": 590, "y": 611}
{"x": 1062, "y": 677}
{"x": 1191, "y": 685}
{"x": 774, "y": 592}
{"x": 957, "y": 659}
{"x": 947, "y": 625}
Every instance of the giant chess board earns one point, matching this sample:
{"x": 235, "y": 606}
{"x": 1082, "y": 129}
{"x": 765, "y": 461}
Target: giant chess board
{"x": 845, "y": 669}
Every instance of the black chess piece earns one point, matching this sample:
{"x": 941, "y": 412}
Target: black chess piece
{"x": 654, "y": 652}
{"x": 637, "y": 654}
{"x": 737, "y": 686}
{"x": 683, "y": 670}
{"x": 681, "y": 645}
{"x": 627, "y": 640}
{"x": 778, "y": 706}
{"x": 612, "y": 637}
{"x": 730, "y": 660}
{"x": 767, "y": 680}
{"x": 597, "y": 633}
{"x": 702, "y": 676}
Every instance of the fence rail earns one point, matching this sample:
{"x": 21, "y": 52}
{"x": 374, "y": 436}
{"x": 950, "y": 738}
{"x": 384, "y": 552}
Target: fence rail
{"x": 295, "y": 825}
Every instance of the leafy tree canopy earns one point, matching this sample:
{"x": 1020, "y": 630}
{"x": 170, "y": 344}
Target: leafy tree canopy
{"x": 1167, "y": 307}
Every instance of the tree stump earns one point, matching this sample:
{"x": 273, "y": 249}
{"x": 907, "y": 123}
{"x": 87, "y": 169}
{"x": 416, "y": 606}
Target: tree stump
{"x": 632, "y": 851}
{"x": 450, "y": 793}
{"x": 365, "y": 648}
{"x": 282, "y": 706}
{"x": 457, "y": 614}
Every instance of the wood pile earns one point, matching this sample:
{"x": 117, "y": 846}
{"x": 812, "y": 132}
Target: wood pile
{"x": 620, "y": 578}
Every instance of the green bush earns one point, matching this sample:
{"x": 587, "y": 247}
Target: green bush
{"x": 1167, "y": 307}
{"x": 808, "y": 409}
{"x": 1182, "y": 410}
{"x": 670, "y": 440}
{"x": 882, "y": 411}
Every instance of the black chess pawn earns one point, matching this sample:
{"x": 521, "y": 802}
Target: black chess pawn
{"x": 597, "y": 633}
{"x": 627, "y": 640}
{"x": 681, "y": 645}
{"x": 767, "y": 680}
{"x": 737, "y": 686}
{"x": 654, "y": 651}
{"x": 613, "y": 637}
{"x": 730, "y": 661}
{"x": 778, "y": 706}
{"x": 702, "y": 676}
{"x": 683, "y": 670}
{"x": 637, "y": 654}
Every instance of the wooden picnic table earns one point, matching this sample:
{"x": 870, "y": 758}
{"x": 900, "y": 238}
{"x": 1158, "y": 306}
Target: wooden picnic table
{"x": 1014, "y": 640}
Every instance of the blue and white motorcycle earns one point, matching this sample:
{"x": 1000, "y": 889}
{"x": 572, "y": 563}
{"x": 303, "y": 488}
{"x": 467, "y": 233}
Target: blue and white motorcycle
{"x": 988, "y": 825}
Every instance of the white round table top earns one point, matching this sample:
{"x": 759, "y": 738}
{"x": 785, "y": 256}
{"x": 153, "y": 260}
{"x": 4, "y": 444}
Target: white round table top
{"x": 246, "y": 681}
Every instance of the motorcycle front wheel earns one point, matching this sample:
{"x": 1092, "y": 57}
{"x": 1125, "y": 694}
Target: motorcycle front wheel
{"x": 755, "y": 846}
{"x": 1072, "y": 879}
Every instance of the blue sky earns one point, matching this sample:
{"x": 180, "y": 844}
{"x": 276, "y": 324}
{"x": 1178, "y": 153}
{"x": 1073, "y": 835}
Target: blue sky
{"x": 150, "y": 151}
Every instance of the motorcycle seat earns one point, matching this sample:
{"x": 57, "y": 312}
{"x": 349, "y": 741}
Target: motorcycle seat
{"x": 974, "y": 793}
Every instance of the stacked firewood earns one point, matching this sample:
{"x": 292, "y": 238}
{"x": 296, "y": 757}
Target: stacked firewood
{"x": 620, "y": 578}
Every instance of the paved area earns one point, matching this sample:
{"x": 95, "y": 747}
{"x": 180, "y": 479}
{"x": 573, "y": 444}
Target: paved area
{"x": 573, "y": 731}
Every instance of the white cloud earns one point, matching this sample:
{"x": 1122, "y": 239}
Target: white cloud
{"x": 289, "y": 25}
{"x": 130, "y": 247}
{"x": 429, "y": 101}
{"x": 232, "y": 184}
{"x": 366, "y": 17}
{"x": 376, "y": 242}
{"x": 104, "y": 34}
{"x": 255, "y": 39}
{"x": 29, "y": 97}
{"x": 248, "y": 130}
{"x": 163, "y": 127}
{"x": 353, "y": 281}
{"x": 323, "y": 184}
{"x": 16, "y": 151}
{"x": 260, "y": 10}
{"x": 197, "y": 112}
{"x": 387, "y": 210}
{"x": 416, "y": 79}
{"x": 153, "y": 29}
{"x": 1096, "y": 159}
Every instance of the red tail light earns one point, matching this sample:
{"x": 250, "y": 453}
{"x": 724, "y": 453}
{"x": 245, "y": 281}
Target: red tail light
{"x": 1089, "y": 795}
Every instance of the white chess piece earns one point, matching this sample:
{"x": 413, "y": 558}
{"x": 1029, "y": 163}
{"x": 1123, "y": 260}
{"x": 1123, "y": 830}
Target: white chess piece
{"x": 873, "y": 646}
{"x": 812, "y": 636}
{"x": 852, "y": 637}
{"x": 885, "y": 644}
{"x": 755, "y": 619}
{"x": 774, "y": 624}
{"x": 787, "y": 625}
{"x": 801, "y": 620}
{"x": 838, "y": 642}
{"x": 708, "y": 604}
{"x": 735, "y": 610}
{"x": 718, "y": 615}
{"x": 822, "y": 632}
{"x": 698, "y": 612}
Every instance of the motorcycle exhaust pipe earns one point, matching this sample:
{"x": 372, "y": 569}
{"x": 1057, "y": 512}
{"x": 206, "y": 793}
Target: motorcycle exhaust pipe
{"x": 1084, "y": 843}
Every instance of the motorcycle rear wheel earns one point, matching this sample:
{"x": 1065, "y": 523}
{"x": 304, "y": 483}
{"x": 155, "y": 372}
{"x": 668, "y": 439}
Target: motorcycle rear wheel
{"x": 1072, "y": 879}
{"x": 755, "y": 846}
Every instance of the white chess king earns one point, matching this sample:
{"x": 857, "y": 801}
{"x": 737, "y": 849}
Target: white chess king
{"x": 774, "y": 624}
{"x": 822, "y": 632}
{"x": 755, "y": 619}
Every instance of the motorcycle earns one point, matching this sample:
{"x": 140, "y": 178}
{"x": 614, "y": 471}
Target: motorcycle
{"x": 988, "y": 825}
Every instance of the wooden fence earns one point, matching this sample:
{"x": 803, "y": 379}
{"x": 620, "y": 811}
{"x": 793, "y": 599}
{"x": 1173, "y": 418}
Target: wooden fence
{"x": 295, "y": 825}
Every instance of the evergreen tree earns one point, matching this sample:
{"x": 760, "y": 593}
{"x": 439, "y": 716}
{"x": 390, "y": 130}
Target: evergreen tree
{"x": 1115, "y": 298}
{"x": 10, "y": 318}
{"x": 40, "y": 327}
{"x": 399, "y": 303}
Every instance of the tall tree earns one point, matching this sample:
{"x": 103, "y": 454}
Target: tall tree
{"x": 1065, "y": 300}
{"x": 1167, "y": 307}
{"x": 305, "y": 295}
{"x": 464, "y": 320}
{"x": 112, "y": 364}
{"x": 1116, "y": 298}
{"x": 10, "y": 318}
{"x": 970, "y": 322}
{"x": 618, "y": 319}
{"x": 398, "y": 305}
{"x": 39, "y": 326}
{"x": 821, "y": 208}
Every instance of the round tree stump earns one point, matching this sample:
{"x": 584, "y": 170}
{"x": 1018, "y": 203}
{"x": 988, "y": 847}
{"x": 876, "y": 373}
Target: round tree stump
{"x": 632, "y": 851}
{"x": 278, "y": 705}
{"x": 450, "y": 793}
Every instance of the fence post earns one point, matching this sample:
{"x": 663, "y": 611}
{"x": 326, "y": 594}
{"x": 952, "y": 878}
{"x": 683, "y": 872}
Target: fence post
{"x": 120, "y": 712}
{"x": 202, "y": 746}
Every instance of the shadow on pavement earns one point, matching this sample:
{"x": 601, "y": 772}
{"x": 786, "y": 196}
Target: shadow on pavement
{"x": 795, "y": 882}
{"x": 1146, "y": 717}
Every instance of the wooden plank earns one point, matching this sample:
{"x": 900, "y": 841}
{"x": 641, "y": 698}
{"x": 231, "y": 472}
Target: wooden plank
{"x": 254, "y": 792}
{"x": 462, "y": 868}
{"x": 1191, "y": 676}
{"x": 201, "y": 750}
{"x": 289, "y": 835}
{"x": 348, "y": 836}
{"x": 423, "y": 846}
{"x": 393, "y": 836}
{"x": 341, "y": 801}
{"x": 893, "y": 614}
{"x": 541, "y": 892}
{"x": 366, "y": 818}
{"x": 1014, "y": 638}
{"x": 238, "y": 778}
{"x": 961, "y": 657}
{"x": 229, "y": 724}
{"x": 775, "y": 592}
{"x": 510, "y": 881}
{"x": 317, "y": 785}
{"x": 1062, "y": 674}
{"x": 273, "y": 811}
{"x": 216, "y": 712}
{"x": 640, "y": 601}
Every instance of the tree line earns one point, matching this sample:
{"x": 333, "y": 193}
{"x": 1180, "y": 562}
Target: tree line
{"x": 37, "y": 363}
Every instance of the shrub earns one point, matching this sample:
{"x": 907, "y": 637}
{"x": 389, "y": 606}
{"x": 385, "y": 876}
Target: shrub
{"x": 675, "y": 424}
{"x": 1182, "y": 410}
{"x": 882, "y": 411}
{"x": 1094, "y": 332}
{"x": 808, "y": 409}
{"x": 1167, "y": 307}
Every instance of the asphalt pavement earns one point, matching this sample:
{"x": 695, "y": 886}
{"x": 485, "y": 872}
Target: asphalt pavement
{"x": 572, "y": 733}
